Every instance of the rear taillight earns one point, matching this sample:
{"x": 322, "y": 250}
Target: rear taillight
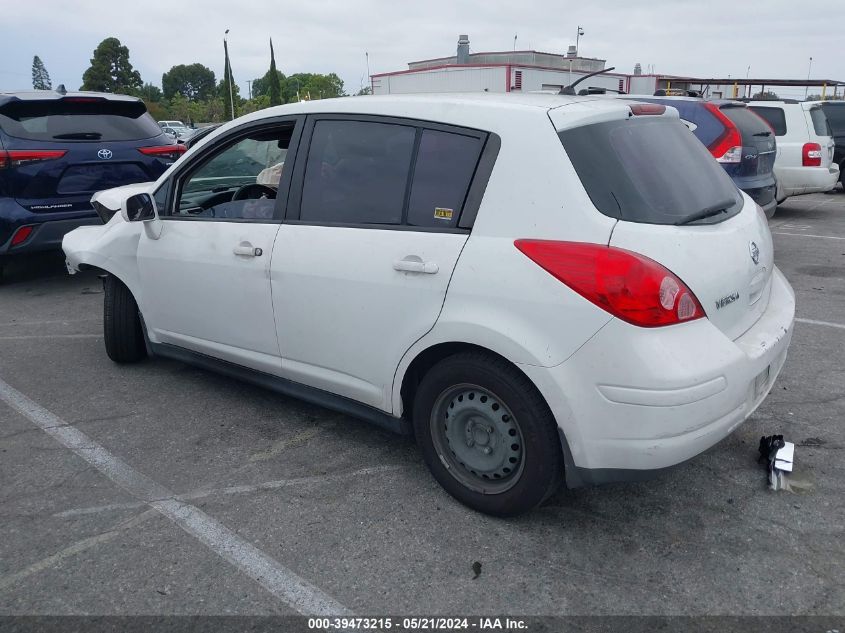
{"x": 18, "y": 157}
{"x": 627, "y": 285}
{"x": 21, "y": 235}
{"x": 169, "y": 152}
{"x": 811, "y": 155}
{"x": 728, "y": 147}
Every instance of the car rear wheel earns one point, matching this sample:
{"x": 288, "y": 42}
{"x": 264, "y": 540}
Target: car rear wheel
{"x": 122, "y": 323}
{"x": 487, "y": 435}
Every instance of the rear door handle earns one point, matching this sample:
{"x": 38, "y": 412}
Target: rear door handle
{"x": 245, "y": 249}
{"x": 414, "y": 264}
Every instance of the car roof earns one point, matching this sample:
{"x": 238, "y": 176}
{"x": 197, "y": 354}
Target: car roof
{"x": 52, "y": 95}
{"x": 472, "y": 110}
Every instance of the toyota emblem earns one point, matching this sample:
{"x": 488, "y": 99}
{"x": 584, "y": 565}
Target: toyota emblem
{"x": 105, "y": 154}
{"x": 755, "y": 252}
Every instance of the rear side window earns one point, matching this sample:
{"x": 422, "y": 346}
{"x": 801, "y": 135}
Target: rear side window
{"x": 836, "y": 118}
{"x": 78, "y": 120}
{"x": 650, "y": 170}
{"x": 442, "y": 175}
{"x": 775, "y": 117}
{"x": 748, "y": 123}
{"x": 820, "y": 125}
{"x": 357, "y": 172}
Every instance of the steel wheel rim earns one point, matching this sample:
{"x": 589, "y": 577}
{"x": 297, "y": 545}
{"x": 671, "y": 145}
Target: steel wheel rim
{"x": 477, "y": 438}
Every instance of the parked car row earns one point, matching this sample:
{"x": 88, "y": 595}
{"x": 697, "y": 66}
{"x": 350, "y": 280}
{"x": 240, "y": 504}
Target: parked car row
{"x": 57, "y": 149}
{"x": 540, "y": 288}
{"x": 771, "y": 149}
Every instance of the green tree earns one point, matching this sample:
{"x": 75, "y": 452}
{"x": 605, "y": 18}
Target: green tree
{"x": 225, "y": 90}
{"x": 110, "y": 69}
{"x": 40, "y": 76}
{"x": 150, "y": 93}
{"x": 223, "y": 96}
{"x": 766, "y": 96}
{"x": 261, "y": 86}
{"x": 275, "y": 88}
{"x": 366, "y": 90}
{"x": 195, "y": 82}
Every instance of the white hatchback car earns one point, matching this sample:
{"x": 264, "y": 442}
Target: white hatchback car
{"x": 534, "y": 285}
{"x": 804, "y": 162}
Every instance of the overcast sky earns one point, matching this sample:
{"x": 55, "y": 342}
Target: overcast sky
{"x": 685, "y": 37}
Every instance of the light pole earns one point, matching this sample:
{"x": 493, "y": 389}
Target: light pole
{"x": 747, "y": 73}
{"x": 807, "y": 87}
{"x": 369, "y": 76}
{"x": 229, "y": 70}
{"x": 578, "y": 39}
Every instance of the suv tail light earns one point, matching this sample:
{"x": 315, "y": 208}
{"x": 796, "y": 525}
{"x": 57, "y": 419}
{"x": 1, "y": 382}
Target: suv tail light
{"x": 168, "y": 152}
{"x": 811, "y": 155}
{"x": 628, "y": 285}
{"x": 18, "y": 157}
{"x": 728, "y": 147}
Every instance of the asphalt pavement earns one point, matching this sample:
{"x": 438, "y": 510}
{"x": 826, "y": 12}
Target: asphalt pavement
{"x": 159, "y": 488}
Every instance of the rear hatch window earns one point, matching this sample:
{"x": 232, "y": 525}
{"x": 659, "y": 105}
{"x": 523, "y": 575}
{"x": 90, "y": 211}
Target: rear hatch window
{"x": 774, "y": 116}
{"x": 758, "y": 136}
{"x": 835, "y": 118}
{"x": 650, "y": 169}
{"x": 78, "y": 119}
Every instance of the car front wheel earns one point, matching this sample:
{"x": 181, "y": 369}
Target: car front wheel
{"x": 487, "y": 435}
{"x": 122, "y": 323}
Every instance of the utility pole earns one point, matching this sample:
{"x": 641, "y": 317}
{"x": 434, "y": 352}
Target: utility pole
{"x": 578, "y": 39}
{"x": 807, "y": 87}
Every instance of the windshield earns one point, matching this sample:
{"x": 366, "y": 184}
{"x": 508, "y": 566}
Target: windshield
{"x": 78, "y": 120}
{"x": 651, "y": 170}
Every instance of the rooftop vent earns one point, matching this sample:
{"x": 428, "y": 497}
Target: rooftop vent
{"x": 463, "y": 49}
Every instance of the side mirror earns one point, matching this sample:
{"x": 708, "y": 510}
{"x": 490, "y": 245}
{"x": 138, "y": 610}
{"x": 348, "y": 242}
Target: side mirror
{"x": 138, "y": 208}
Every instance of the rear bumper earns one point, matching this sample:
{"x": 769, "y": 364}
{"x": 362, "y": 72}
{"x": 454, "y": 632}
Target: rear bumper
{"x": 48, "y": 228}
{"x": 793, "y": 181}
{"x": 633, "y": 401}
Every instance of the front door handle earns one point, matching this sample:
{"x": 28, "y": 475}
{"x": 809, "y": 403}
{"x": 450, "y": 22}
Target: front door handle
{"x": 245, "y": 249}
{"x": 414, "y": 264}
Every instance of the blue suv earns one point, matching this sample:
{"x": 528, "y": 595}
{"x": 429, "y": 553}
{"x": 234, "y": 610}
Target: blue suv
{"x": 57, "y": 149}
{"x": 742, "y": 142}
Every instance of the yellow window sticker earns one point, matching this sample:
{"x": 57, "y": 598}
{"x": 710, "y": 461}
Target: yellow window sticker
{"x": 443, "y": 214}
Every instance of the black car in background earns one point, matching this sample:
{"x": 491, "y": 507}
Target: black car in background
{"x": 835, "y": 112}
{"x": 57, "y": 149}
{"x": 742, "y": 142}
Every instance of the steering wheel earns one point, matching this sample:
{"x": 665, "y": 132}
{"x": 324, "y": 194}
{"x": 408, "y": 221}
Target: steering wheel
{"x": 253, "y": 191}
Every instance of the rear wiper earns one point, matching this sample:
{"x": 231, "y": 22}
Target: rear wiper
{"x": 80, "y": 136}
{"x": 713, "y": 209}
{"x": 762, "y": 133}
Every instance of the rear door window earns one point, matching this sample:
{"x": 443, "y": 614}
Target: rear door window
{"x": 443, "y": 172}
{"x": 775, "y": 117}
{"x": 650, "y": 170}
{"x": 357, "y": 172}
{"x": 820, "y": 124}
{"x": 79, "y": 119}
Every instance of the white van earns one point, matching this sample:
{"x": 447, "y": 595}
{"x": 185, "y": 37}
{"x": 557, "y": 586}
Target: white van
{"x": 804, "y": 162}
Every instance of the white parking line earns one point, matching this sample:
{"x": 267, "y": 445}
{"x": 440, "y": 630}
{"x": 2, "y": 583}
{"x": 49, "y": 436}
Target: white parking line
{"x": 284, "y": 584}
{"x": 238, "y": 490}
{"x": 823, "y": 237}
{"x": 827, "y": 323}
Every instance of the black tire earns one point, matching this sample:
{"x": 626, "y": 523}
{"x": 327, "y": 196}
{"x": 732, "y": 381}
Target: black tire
{"x": 122, "y": 323}
{"x": 540, "y": 468}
